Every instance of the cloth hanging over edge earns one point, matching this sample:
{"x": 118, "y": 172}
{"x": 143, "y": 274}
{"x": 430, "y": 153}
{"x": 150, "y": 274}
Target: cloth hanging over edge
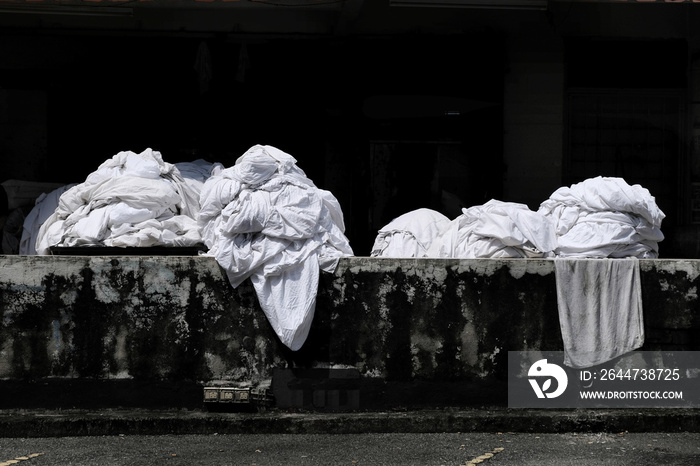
{"x": 600, "y": 309}
{"x": 263, "y": 219}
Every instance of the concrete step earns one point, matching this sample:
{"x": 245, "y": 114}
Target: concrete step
{"x": 61, "y": 423}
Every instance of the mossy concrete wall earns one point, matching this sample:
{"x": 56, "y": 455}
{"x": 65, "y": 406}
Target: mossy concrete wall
{"x": 86, "y": 330}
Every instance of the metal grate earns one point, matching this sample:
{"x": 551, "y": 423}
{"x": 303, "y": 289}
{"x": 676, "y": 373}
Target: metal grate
{"x": 635, "y": 135}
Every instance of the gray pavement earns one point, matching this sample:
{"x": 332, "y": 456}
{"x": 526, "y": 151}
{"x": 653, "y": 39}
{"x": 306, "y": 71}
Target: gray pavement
{"x": 388, "y": 449}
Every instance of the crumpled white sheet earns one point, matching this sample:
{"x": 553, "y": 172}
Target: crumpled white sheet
{"x": 131, "y": 200}
{"x": 493, "y": 230}
{"x": 409, "y": 235}
{"x": 605, "y": 217}
{"x": 263, "y": 219}
{"x": 44, "y": 207}
{"x": 195, "y": 173}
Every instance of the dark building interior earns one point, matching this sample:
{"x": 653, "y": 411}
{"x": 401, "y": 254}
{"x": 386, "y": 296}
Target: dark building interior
{"x": 306, "y": 96}
{"x": 390, "y": 107}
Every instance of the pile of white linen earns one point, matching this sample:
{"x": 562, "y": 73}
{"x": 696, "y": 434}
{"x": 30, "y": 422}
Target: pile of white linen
{"x": 130, "y": 200}
{"x": 409, "y": 235}
{"x": 263, "y": 218}
{"x": 604, "y": 217}
{"x": 44, "y": 207}
{"x": 603, "y": 227}
{"x": 495, "y": 229}
{"x": 195, "y": 174}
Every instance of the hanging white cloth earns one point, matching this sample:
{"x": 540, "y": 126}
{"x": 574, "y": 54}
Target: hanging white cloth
{"x": 263, "y": 219}
{"x": 600, "y": 309}
{"x": 603, "y": 226}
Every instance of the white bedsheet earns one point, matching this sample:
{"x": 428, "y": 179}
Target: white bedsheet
{"x": 130, "y": 200}
{"x": 496, "y": 229}
{"x": 263, "y": 219}
{"x": 603, "y": 226}
{"x": 605, "y": 217}
{"x": 409, "y": 235}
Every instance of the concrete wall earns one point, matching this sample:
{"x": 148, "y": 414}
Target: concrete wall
{"x": 105, "y": 331}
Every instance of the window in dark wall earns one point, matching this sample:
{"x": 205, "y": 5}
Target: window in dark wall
{"x": 438, "y": 175}
{"x": 626, "y": 64}
{"x": 460, "y": 167}
{"x": 635, "y": 136}
{"x": 133, "y": 94}
{"x": 432, "y": 115}
{"x": 625, "y": 114}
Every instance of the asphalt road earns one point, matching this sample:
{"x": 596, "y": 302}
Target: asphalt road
{"x": 453, "y": 449}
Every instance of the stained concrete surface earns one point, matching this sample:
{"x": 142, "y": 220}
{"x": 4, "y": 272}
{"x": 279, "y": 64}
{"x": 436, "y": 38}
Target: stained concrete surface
{"x": 148, "y": 332}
